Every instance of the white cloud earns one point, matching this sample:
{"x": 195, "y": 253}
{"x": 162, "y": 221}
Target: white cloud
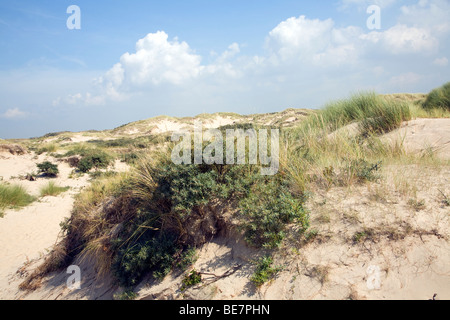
{"x": 430, "y": 14}
{"x": 13, "y": 114}
{"x": 441, "y": 62}
{"x": 401, "y": 39}
{"x": 156, "y": 61}
{"x": 297, "y": 38}
{"x": 170, "y": 72}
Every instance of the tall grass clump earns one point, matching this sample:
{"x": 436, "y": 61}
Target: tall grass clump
{"x": 14, "y": 196}
{"x": 438, "y": 98}
{"x": 51, "y": 189}
{"x": 373, "y": 112}
{"x": 340, "y": 144}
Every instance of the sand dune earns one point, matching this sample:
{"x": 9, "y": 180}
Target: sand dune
{"x": 414, "y": 266}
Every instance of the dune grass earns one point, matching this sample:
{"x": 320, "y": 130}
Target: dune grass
{"x": 316, "y": 152}
{"x": 438, "y": 98}
{"x": 51, "y": 189}
{"x": 14, "y": 196}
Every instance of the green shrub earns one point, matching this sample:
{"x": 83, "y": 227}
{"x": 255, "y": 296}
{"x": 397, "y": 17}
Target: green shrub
{"x": 266, "y": 212}
{"x": 169, "y": 196}
{"x": 264, "y": 271}
{"x": 48, "y": 169}
{"x": 193, "y": 278}
{"x": 438, "y": 98}
{"x": 94, "y": 159}
{"x": 149, "y": 252}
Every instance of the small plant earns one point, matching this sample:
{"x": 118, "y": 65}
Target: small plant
{"x": 360, "y": 171}
{"x": 366, "y": 234}
{"x": 193, "y": 278}
{"x": 48, "y": 169}
{"x": 311, "y": 235}
{"x": 51, "y": 189}
{"x": 264, "y": 271}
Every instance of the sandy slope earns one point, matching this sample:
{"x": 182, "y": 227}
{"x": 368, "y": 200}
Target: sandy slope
{"x": 407, "y": 255}
{"x": 28, "y": 234}
{"x": 420, "y": 135}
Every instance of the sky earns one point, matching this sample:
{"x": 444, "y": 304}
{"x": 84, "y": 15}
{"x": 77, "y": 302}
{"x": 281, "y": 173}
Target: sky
{"x": 132, "y": 60}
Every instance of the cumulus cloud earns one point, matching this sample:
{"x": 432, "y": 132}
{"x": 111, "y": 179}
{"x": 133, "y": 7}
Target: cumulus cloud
{"x": 13, "y": 114}
{"x": 401, "y": 39}
{"x": 429, "y": 14}
{"x": 294, "y": 49}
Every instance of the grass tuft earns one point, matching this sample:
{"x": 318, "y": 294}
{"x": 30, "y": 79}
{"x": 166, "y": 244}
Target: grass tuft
{"x": 51, "y": 189}
{"x": 14, "y": 196}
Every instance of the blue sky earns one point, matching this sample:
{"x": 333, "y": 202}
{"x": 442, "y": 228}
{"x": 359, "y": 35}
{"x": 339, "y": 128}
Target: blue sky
{"x": 133, "y": 60}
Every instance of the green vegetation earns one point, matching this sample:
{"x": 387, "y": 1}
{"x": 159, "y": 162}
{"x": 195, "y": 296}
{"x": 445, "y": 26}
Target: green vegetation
{"x": 94, "y": 159}
{"x": 126, "y": 295}
{"x": 47, "y": 148}
{"x": 48, "y": 169}
{"x": 13, "y": 196}
{"x": 51, "y": 189}
{"x": 374, "y": 113}
{"x": 264, "y": 271}
{"x": 438, "y": 98}
{"x": 193, "y": 278}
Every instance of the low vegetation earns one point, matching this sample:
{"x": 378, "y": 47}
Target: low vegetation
{"x": 438, "y": 98}
{"x": 13, "y": 196}
{"x": 264, "y": 271}
{"x": 51, "y": 189}
{"x": 48, "y": 169}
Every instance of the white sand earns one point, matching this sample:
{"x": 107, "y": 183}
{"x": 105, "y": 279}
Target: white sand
{"x": 424, "y": 134}
{"x": 29, "y": 233}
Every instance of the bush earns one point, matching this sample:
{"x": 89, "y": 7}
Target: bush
{"x": 267, "y": 210}
{"x": 264, "y": 271}
{"x": 176, "y": 202}
{"x": 438, "y": 98}
{"x": 150, "y": 252}
{"x": 48, "y": 169}
{"x": 94, "y": 159}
